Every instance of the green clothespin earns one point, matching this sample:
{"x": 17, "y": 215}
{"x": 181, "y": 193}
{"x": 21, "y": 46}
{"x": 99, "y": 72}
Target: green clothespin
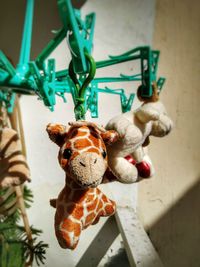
{"x": 148, "y": 63}
{"x": 79, "y": 34}
{"x": 160, "y": 83}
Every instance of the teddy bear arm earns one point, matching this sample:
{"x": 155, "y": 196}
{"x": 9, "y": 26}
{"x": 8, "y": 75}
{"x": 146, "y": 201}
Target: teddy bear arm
{"x": 119, "y": 124}
{"x": 124, "y": 171}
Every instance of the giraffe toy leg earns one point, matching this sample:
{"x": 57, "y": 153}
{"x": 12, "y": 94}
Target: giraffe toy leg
{"x": 105, "y": 208}
{"x": 68, "y": 232}
{"x": 109, "y": 206}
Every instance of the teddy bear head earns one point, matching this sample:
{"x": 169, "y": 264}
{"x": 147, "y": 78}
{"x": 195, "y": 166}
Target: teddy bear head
{"x": 155, "y": 114}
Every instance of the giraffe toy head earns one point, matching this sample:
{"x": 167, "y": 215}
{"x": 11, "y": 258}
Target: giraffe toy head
{"x": 82, "y": 152}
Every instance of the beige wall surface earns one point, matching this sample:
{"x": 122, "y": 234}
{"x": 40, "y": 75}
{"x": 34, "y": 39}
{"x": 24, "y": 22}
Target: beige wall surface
{"x": 169, "y": 203}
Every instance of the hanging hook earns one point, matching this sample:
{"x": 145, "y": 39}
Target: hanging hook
{"x": 81, "y": 89}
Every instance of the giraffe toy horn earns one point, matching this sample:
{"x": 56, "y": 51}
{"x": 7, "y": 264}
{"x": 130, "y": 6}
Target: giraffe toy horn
{"x": 87, "y": 123}
{"x": 108, "y": 136}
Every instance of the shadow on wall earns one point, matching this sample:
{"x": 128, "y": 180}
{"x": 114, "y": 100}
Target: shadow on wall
{"x": 46, "y": 18}
{"x": 176, "y": 235}
{"x": 118, "y": 260}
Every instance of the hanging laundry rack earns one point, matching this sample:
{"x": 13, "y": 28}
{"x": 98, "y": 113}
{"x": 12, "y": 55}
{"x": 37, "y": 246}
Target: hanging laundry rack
{"x": 39, "y": 76}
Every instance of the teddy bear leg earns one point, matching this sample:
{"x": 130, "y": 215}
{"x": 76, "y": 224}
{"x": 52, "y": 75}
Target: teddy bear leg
{"x": 143, "y": 163}
{"x": 123, "y": 170}
{"x": 145, "y": 168}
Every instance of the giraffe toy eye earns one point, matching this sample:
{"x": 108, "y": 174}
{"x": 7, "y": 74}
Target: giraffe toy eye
{"x": 104, "y": 154}
{"x": 67, "y": 153}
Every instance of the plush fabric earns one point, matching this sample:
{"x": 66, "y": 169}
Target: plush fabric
{"x": 134, "y": 129}
{"x": 83, "y": 157}
{"x": 13, "y": 167}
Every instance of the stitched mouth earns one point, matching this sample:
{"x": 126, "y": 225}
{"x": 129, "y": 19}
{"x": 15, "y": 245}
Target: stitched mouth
{"x": 90, "y": 185}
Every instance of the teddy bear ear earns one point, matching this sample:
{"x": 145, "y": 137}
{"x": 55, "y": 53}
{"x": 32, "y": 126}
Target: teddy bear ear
{"x": 57, "y": 133}
{"x": 109, "y": 136}
{"x": 147, "y": 113}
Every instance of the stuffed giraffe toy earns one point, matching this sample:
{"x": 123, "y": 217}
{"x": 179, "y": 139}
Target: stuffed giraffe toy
{"x": 83, "y": 157}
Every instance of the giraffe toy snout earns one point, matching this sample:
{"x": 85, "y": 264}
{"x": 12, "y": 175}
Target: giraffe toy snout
{"x": 88, "y": 169}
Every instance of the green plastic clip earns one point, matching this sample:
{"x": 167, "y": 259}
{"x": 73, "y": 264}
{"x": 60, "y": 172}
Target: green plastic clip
{"x": 79, "y": 34}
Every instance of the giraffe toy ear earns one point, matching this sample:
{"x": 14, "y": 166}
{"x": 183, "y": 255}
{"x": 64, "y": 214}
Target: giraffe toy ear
{"x": 57, "y": 133}
{"x": 109, "y": 137}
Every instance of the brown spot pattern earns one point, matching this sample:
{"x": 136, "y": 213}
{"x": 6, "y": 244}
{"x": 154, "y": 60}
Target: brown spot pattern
{"x": 104, "y": 198}
{"x": 63, "y": 162}
{"x": 68, "y": 145}
{"x": 93, "y": 205}
{"x": 94, "y": 133}
{"x": 90, "y": 218}
{"x": 96, "y": 220}
{"x": 74, "y": 155}
{"x": 73, "y": 133}
{"x": 67, "y": 225}
{"x": 78, "y": 213}
{"x": 66, "y": 238}
{"x": 95, "y": 141}
{"x": 109, "y": 209}
{"x": 70, "y": 208}
{"x": 77, "y": 229}
{"x": 89, "y": 198}
{"x": 82, "y": 143}
{"x": 80, "y": 133}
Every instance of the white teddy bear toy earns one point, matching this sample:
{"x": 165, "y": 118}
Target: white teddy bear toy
{"x": 127, "y": 158}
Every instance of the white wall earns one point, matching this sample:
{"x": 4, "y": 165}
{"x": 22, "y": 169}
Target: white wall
{"x": 120, "y": 26}
{"x": 169, "y": 202}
